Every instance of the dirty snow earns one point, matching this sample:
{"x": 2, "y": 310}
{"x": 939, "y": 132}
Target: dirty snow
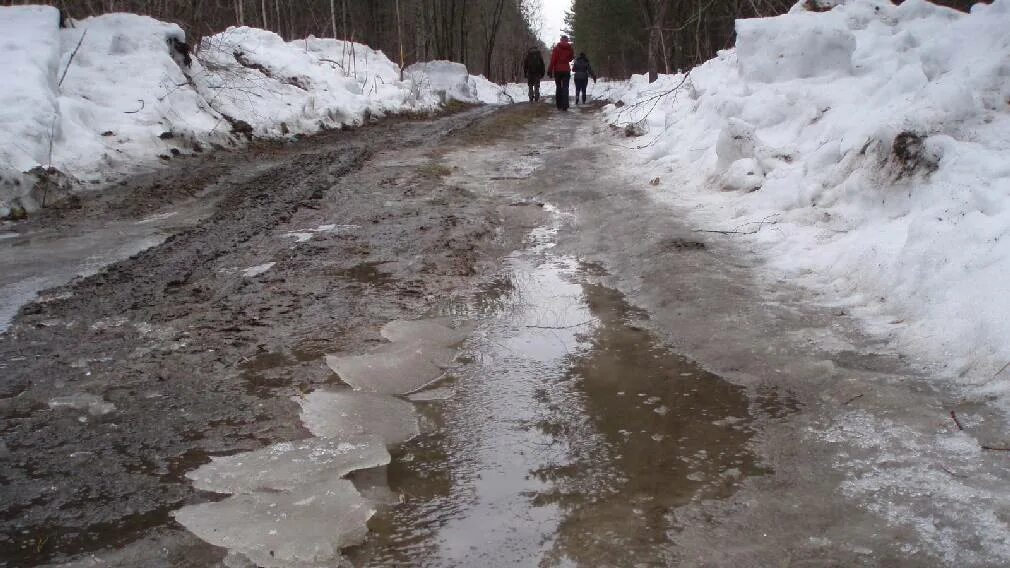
{"x": 891, "y": 468}
{"x": 93, "y": 404}
{"x": 257, "y": 270}
{"x": 799, "y": 138}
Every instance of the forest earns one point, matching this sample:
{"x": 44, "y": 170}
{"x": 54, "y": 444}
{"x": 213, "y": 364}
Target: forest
{"x": 489, "y": 36}
{"x": 622, "y": 37}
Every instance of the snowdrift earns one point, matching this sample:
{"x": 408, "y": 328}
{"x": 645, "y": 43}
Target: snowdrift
{"x": 130, "y": 98}
{"x": 866, "y": 151}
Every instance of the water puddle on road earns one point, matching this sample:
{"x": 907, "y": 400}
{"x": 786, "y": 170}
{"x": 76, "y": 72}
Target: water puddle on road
{"x": 566, "y": 437}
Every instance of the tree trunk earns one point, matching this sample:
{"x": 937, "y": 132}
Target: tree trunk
{"x": 399, "y": 36}
{"x": 333, "y": 18}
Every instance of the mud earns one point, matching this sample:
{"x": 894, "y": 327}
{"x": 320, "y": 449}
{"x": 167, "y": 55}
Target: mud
{"x": 201, "y": 360}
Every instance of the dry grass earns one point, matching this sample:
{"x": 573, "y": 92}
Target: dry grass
{"x": 504, "y": 123}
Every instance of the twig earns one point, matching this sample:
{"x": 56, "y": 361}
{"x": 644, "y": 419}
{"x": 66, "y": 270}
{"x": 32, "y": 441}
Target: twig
{"x": 995, "y": 449}
{"x": 52, "y": 135}
{"x": 853, "y": 399}
{"x": 953, "y": 474}
{"x": 760, "y": 225}
{"x": 1001, "y": 369}
{"x": 956, "y": 421}
{"x": 141, "y": 101}
{"x": 726, "y": 232}
{"x": 561, "y": 326}
{"x": 71, "y": 60}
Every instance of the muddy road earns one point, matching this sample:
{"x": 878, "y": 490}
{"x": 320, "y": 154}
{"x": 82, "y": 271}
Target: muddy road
{"x": 548, "y": 369}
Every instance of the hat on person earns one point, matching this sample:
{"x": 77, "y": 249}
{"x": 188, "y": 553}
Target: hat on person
{"x": 564, "y": 36}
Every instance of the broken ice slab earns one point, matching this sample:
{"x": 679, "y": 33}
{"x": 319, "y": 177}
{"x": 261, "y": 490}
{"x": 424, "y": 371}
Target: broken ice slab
{"x": 347, "y": 413}
{"x": 303, "y": 528}
{"x": 418, "y": 354}
{"x": 435, "y": 331}
{"x": 95, "y": 405}
{"x": 397, "y": 368}
{"x": 288, "y": 465}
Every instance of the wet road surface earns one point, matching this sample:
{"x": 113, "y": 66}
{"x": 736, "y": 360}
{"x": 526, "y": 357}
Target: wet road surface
{"x": 452, "y": 342}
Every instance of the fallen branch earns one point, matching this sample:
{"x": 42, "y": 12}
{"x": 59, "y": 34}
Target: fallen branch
{"x": 1001, "y": 369}
{"x": 141, "y": 101}
{"x": 853, "y": 399}
{"x": 995, "y": 449}
{"x": 71, "y": 60}
{"x": 953, "y": 474}
{"x": 760, "y": 225}
{"x": 726, "y": 232}
{"x": 956, "y": 421}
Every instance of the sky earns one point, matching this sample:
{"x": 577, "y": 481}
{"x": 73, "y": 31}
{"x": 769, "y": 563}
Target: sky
{"x": 553, "y": 19}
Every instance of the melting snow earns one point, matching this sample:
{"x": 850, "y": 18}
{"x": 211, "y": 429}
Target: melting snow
{"x": 257, "y": 270}
{"x": 95, "y": 405}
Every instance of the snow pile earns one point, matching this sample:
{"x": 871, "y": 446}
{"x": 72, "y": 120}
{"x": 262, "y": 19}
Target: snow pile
{"x": 280, "y": 88}
{"x": 132, "y": 96}
{"x": 865, "y": 150}
{"x": 451, "y": 81}
{"x": 125, "y": 99}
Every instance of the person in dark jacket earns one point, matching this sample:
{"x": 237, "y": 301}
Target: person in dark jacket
{"x": 583, "y": 71}
{"x": 533, "y": 68}
{"x": 560, "y": 68}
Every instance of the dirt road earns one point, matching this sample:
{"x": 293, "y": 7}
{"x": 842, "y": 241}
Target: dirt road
{"x": 631, "y": 394}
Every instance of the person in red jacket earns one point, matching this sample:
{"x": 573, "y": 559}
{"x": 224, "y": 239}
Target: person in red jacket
{"x": 560, "y": 68}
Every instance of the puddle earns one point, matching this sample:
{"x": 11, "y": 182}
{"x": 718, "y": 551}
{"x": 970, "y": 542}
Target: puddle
{"x": 367, "y": 273}
{"x": 563, "y": 433}
{"x": 60, "y": 256}
{"x": 568, "y": 437}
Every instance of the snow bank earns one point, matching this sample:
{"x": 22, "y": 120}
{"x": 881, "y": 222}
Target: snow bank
{"x": 281, "y": 88}
{"x": 866, "y": 148}
{"x": 130, "y": 99}
{"x": 31, "y": 52}
{"x": 125, "y": 100}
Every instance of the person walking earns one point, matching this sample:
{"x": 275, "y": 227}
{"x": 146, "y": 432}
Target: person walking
{"x": 533, "y": 68}
{"x": 583, "y": 71}
{"x": 561, "y": 70}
